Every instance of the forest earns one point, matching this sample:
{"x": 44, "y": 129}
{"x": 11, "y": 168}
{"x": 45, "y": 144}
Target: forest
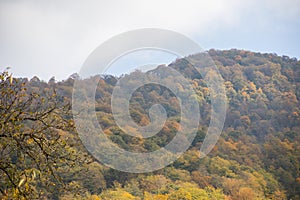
{"x": 257, "y": 156}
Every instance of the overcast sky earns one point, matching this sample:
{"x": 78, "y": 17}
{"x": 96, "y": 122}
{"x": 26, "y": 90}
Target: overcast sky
{"x": 53, "y": 38}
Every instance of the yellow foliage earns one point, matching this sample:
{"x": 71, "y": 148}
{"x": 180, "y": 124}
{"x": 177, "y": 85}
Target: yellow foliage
{"x": 180, "y": 194}
{"x": 94, "y": 197}
{"x": 149, "y": 196}
{"x": 252, "y": 87}
{"x": 117, "y": 194}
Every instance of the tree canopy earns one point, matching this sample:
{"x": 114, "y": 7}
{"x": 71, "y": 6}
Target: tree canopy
{"x": 256, "y": 157}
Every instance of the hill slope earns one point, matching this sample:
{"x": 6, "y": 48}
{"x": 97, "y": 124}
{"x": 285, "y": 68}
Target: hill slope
{"x": 257, "y": 156}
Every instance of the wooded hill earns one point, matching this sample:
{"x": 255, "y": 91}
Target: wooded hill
{"x": 256, "y": 157}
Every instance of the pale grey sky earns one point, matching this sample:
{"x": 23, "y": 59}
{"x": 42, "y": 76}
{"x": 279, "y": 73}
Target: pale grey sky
{"x": 53, "y": 38}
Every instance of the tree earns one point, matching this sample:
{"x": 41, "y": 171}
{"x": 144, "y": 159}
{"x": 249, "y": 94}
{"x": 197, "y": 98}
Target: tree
{"x": 149, "y": 196}
{"x": 180, "y": 194}
{"x": 35, "y": 145}
{"x": 246, "y": 193}
{"x": 117, "y": 194}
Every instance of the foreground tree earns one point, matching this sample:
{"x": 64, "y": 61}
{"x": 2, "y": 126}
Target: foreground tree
{"x": 35, "y": 141}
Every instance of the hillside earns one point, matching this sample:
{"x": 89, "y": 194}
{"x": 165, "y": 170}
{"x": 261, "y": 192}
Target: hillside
{"x": 256, "y": 157}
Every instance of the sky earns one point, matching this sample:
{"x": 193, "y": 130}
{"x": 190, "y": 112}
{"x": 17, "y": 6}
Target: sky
{"x": 54, "y": 38}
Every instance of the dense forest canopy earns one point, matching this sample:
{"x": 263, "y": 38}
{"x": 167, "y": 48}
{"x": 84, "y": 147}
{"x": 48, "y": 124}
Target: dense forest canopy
{"x": 256, "y": 157}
